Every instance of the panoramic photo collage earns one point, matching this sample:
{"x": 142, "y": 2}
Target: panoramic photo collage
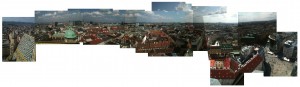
{"x": 236, "y": 42}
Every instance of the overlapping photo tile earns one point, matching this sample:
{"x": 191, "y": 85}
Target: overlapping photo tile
{"x": 181, "y": 29}
{"x": 229, "y": 64}
{"x": 205, "y": 19}
{"x": 158, "y": 33}
{"x": 95, "y": 27}
{"x": 18, "y": 41}
{"x": 254, "y": 27}
{"x": 280, "y": 54}
{"x": 57, "y": 27}
{"x": 168, "y": 6}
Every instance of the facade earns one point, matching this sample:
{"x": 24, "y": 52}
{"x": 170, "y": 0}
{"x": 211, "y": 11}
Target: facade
{"x": 248, "y": 40}
{"x": 290, "y": 49}
{"x": 12, "y": 45}
{"x": 59, "y": 37}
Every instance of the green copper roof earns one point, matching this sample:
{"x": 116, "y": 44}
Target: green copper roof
{"x": 70, "y": 33}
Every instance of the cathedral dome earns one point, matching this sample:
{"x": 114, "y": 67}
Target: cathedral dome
{"x": 70, "y": 34}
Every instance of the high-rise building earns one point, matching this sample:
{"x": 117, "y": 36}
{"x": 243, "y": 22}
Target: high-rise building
{"x": 290, "y": 49}
{"x": 78, "y": 23}
{"x": 55, "y": 24}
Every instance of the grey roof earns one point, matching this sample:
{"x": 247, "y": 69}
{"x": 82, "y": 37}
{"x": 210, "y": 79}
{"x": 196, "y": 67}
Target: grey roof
{"x": 25, "y": 48}
{"x": 214, "y": 81}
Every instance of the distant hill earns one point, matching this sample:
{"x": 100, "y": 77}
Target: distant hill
{"x": 259, "y": 21}
{"x": 17, "y": 23}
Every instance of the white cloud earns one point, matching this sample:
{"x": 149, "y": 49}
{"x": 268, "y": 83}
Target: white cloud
{"x": 153, "y": 16}
{"x": 184, "y": 7}
{"x": 92, "y": 14}
{"x": 129, "y": 15}
{"x": 50, "y": 14}
{"x": 116, "y": 13}
{"x": 109, "y": 12}
{"x": 222, "y": 18}
{"x": 58, "y": 16}
{"x": 150, "y": 12}
{"x": 96, "y": 13}
{"x": 256, "y": 16}
{"x": 75, "y": 13}
{"x": 137, "y": 15}
{"x": 209, "y": 10}
{"x": 37, "y": 12}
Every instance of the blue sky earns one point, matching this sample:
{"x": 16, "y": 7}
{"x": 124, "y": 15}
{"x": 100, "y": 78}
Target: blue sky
{"x": 131, "y": 16}
{"x": 162, "y": 12}
{"x": 51, "y": 16}
{"x": 165, "y": 6}
{"x": 104, "y": 16}
{"x": 162, "y": 16}
{"x": 209, "y": 10}
{"x": 211, "y": 13}
{"x": 18, "y": 19}
{"x": 171, "y": 12}
{"x": 231, "y": 17}
{"x": 95, "y": 15}
{"x": 195, "y": 13}
{"x": 171, "y": 6}
{"x": 90, "y": 10}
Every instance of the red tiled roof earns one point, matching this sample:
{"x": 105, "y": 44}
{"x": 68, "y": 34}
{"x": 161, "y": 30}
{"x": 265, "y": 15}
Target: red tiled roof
{"x": 227, "y": 62}
{"x": 212, "y": 63}
{"x": 96, "y": 41}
